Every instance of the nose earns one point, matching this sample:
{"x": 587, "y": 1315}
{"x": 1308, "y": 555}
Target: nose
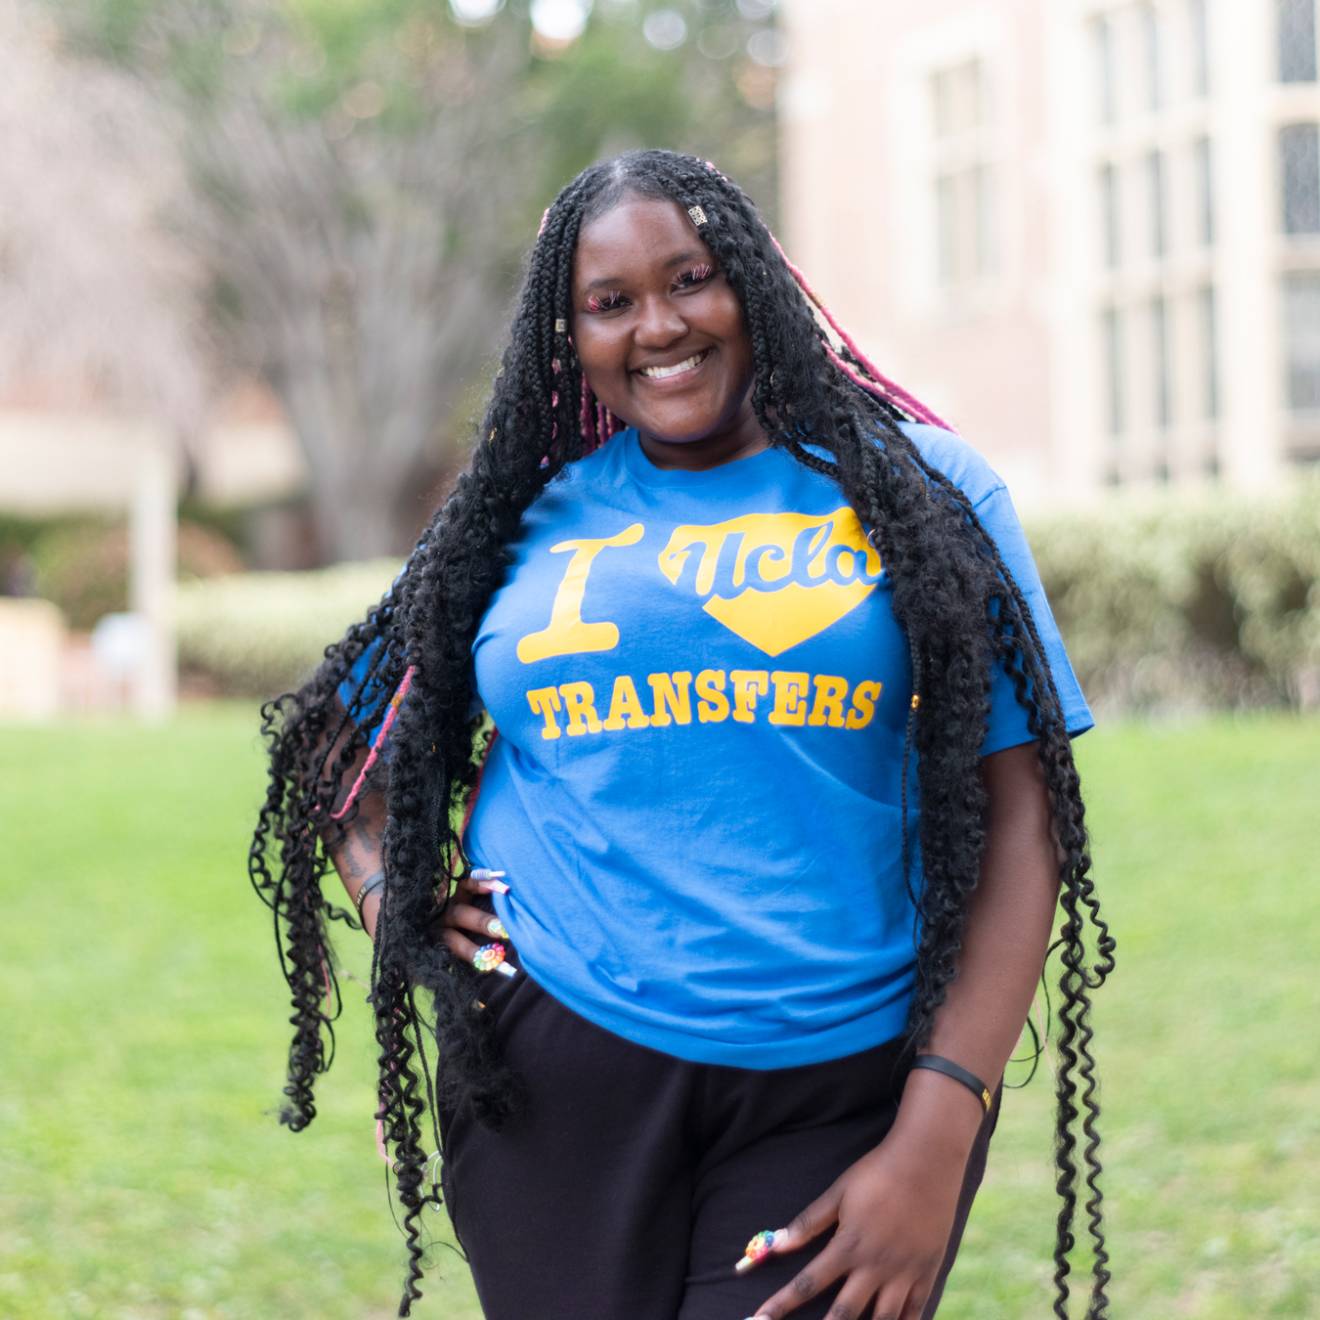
{"x": 659, "y": 324}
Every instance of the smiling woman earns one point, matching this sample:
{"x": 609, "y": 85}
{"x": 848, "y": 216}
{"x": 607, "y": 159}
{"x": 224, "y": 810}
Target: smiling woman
{"x": 748, "y": 659}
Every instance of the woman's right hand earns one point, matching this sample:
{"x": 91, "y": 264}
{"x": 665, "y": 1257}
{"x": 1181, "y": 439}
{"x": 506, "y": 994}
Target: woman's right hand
{"x": 462, "y": 919}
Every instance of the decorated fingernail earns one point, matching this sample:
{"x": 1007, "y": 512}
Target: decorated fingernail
{"x": 507, "y": 969}
{"x": 496, "y": 927}
{"x": 489, "y": 882}
{"x": 488, "y": 957}
{"x": 756, "y": 1250}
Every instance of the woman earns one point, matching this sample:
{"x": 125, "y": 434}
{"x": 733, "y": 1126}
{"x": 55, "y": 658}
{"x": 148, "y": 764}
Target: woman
{"x": 698, "y": 966}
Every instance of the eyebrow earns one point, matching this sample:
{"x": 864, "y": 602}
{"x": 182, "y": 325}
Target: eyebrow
{"x": 688, "y": 254}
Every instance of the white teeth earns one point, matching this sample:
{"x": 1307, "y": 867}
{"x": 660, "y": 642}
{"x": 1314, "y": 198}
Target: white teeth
{"x": 659, "y": 373}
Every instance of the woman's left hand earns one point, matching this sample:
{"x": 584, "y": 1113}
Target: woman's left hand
{"x": 895, "y": 1210}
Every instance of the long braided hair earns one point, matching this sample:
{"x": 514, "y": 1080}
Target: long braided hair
{"x": 955, "y": 599}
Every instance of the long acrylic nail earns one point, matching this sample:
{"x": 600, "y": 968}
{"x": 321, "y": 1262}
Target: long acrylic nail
{"x": 496, "y": 927}
{"x": 757, "y": 1249}
{"x": 507, "y": 969}
{"x": 489, "y": 882}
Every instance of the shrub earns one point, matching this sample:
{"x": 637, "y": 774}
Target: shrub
{"x": 1179, "y": 601}
{"x": 83, "y": 567}
{"x": 1167, "y": 603}
{"x": 256, "y": 634}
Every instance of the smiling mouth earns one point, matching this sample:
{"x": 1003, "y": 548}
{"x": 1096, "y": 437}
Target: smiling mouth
{"x": 678, "y": 369}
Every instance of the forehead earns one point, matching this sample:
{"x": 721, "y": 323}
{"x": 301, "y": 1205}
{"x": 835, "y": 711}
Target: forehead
{"x": 637, "y": 234}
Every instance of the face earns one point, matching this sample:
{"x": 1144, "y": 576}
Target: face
{"x": 661, "y": 337}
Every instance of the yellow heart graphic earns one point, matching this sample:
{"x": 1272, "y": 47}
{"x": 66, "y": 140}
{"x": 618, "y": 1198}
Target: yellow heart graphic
{"x": 775, "y": 579}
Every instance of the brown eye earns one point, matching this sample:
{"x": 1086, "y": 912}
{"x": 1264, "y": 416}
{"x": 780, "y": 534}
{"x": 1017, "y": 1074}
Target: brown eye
{"x": 690, "y": 279}
{"x": 605, "y": 302}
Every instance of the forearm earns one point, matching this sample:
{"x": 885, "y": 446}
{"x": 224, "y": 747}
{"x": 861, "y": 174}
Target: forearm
{"x": 1006, "y": 935}
{"x": 355, "y": 852}
{"x": 354, "y": 848}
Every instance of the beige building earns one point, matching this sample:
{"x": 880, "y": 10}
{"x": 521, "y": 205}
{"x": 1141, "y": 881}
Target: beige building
{"x": 1086, "y": 232}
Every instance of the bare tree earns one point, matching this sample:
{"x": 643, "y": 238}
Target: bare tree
{"x": 98, "y": 301}
{"x": 362, "y": 180}
{"x": 347, "y": 206}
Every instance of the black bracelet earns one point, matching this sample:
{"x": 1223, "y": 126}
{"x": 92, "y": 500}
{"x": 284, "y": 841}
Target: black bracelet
{"x": 938, "y": 1063}
{"x": 375, "y": 883}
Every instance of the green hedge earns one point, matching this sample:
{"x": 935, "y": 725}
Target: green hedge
{"x": 1190, "y": 602}
{"x": 84, "y": 566}
{"x": 1163, "y": 604}
{"x": 256, "y": 634}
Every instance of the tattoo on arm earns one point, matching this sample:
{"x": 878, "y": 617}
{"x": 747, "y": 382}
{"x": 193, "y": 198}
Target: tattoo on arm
{"x": 359, "y": 853}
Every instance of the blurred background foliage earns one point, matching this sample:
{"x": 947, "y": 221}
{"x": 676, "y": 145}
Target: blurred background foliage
{"x": 1179, "y": 602}
{"x": 364, "y": 177}
{"x": 352, "y": 185}
{"x": 1166, "y": 605}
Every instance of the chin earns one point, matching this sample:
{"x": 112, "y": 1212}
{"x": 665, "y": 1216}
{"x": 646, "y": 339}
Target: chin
{"x": 687, "y": 430}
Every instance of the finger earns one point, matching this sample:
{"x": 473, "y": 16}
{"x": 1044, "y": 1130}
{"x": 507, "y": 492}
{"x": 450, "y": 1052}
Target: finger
{"x": 892, "y": 1303}
{"x": 466, "y": 917}
{"x": 810, "y": 1223}
{"x": 853, "y": 1301}
{"x": 484, "y": 957}
{"x": 809, "y": 1282}
{"x": 459, "y": 945}
{"x": 488, "y": 881}
{"x": 916, "y": 1302}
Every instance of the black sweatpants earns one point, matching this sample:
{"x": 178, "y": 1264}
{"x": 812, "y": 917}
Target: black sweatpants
{"x": 632, "y": 1181}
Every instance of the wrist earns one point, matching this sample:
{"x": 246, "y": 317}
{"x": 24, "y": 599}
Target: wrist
{"x": 939, "y": 1116}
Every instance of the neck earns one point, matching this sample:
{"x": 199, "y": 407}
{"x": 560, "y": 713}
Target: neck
{"x": 738, "y": 440}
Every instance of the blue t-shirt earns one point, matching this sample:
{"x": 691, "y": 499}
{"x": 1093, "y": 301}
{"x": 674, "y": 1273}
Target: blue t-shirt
{"x": 701, "y": 693}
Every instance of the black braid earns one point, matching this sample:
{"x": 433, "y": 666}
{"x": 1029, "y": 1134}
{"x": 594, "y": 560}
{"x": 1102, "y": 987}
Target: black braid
{"x": 953, "y": 596}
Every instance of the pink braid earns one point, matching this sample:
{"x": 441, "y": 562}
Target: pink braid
{"x": 386, "y": 725}
{"x": 587, "y": 420}
{"x": 918, "y": 409}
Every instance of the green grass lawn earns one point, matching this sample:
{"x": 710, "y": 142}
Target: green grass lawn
{"x": 143, "y": 1174}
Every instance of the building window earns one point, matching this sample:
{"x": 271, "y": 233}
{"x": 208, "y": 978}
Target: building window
{"x": 1111, "y": 348}
{"x": 1162, "y": 400}
{"x": 1200, "y": 23}
{"x": 1154, "y": 57}
{"x": 1208, "y": 318}
{"x": 1203, "y": 166}
{"x": 964, "y": 179}
{"x": 1155, "y": 191}
{"x": 1299, "y": 169}
{"x": 1102, "y": 49}
{"x": 1296, "y": 31}
{"x": 1110, "y": 216}
{"x": 1301, "y": 338}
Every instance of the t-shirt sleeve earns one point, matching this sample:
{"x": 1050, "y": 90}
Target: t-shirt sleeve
{"x": 1008, "y": 719}
{"x": 363, "y": 693}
